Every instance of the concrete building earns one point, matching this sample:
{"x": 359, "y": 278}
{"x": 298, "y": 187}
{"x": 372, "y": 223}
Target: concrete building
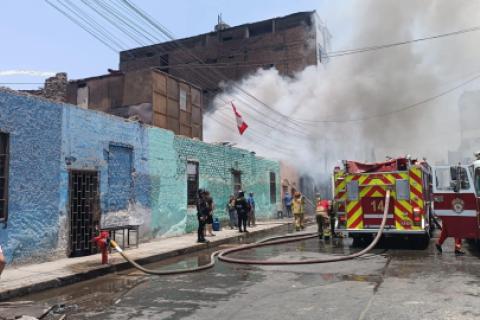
{"x": 67, "y": 170}
{"x": 148, "y": 95}
{"x": 288, "y": 43}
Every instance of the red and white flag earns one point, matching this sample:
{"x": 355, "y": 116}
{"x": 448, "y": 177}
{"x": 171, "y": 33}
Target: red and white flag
{"x": 242, "y": 125}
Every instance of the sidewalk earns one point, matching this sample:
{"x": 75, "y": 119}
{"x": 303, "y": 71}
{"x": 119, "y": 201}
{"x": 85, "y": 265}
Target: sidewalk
{"x": 22, "y": 280}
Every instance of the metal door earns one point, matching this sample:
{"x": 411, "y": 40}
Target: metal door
{"x": 84, "y": 214}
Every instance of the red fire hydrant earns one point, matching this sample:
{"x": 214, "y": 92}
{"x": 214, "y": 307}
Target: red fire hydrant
{"x": 102, "y": 242}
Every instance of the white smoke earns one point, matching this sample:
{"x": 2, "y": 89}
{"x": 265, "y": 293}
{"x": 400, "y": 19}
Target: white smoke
{"x": 33, "y": 73}
{"x": 365, "y": 85}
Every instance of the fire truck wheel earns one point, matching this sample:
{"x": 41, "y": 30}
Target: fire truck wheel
{"x": 421, "y": 242}
{"x": 361, "y": 240}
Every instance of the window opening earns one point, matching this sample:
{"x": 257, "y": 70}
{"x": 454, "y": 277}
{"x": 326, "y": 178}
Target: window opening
{"x": 273, "y": 188}
{"x": 183, "y": 99}
{"x": 4, "y": 153}
{"x": 237, "y": 182}
{"x": 192, "y": 182}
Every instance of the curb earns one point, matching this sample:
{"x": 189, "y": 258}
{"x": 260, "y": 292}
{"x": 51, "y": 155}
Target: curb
{"x": 104, "y": 270}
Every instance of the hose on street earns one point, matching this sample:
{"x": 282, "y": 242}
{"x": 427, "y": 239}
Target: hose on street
{"x": 223, "y": 255}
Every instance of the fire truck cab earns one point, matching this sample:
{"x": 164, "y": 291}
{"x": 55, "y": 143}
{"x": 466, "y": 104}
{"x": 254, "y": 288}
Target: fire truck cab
{"x": 456, "y": 199}
{"x": 360, "y": 189}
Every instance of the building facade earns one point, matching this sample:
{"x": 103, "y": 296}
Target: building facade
{"x": 288, "y": 43}
{"x": 148, "y": 95}
{"x": 68, "y": 170}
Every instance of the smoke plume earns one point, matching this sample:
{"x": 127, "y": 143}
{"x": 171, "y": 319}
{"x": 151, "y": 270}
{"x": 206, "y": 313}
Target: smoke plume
{"x": 363, "y": 98}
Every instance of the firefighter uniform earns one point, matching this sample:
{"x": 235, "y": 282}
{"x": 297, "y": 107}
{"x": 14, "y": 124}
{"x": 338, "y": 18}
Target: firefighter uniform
{"x": 321, "y": 214}
{"x": 298, "y": 208}
{"x": 443, "y": 237}
{"x": 332, "y": 212}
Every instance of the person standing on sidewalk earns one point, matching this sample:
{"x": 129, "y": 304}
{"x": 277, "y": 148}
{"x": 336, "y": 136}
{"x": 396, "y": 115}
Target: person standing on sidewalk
{"x": 232, "y": 212}
{"x": 211, "y": 207}
{"x": 251, "y": 214}
{"x": 2, "y": 261}
{"x": 202, "y": 215}
{"x": 242, "y": 207}
{"x": 298, "y": 206}
{"x": 287, "y": 200}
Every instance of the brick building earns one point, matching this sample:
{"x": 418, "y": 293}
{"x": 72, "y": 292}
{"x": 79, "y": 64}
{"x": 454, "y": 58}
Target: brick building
{"x": 148, "y": 95}
{"x": 55, "y": 88}
{"x": 287, "y": 43}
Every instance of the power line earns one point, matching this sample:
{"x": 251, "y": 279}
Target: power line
{"x": 92, "y": 22}
{"x": 405, "y": 108}
{"x": 341, "y": 53}
{"x": 83, "y": 26}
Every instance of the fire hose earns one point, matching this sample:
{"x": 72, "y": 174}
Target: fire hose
{"x": 223, "y": 254}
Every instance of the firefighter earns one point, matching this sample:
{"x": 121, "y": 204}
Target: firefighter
{"x": 298, "y": 205}
{"x": 321, "y": 214}
{"x": 242, "y": 207}
{"x": 202, "y": 215}
{"x": 443, "y": 236}
{"x": 332, "y": 213}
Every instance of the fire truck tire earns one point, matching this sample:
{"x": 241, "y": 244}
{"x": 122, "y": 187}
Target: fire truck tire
{"x": 361, "y": 240}
{"x": 421, "y": 242}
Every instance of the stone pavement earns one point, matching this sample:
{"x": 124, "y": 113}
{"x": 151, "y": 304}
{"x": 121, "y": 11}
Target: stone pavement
{"x": 22, "y": 280}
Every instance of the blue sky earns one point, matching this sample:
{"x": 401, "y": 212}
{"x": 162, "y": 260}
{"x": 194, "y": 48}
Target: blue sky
{"x": 34, "y": 36}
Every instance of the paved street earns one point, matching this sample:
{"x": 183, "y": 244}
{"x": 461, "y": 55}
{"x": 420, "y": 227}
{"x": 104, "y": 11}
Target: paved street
{"x": 396, "y": 283}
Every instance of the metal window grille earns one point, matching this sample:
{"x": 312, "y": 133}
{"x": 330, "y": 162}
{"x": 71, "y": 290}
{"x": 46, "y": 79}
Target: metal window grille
{"x": 84, "y": 211}
{"x": 4, "y": 155}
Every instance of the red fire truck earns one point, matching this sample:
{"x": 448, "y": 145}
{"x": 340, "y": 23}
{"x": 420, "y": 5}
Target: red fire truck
{"x": 456, "y": 199}
{"x": 359, "y": 191}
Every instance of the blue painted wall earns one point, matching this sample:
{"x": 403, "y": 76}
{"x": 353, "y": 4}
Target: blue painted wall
{"x": 34, "y": 214}
{"x": 142, "y": 173}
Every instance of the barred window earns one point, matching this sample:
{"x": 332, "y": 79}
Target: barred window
{"x": 192, "y": 182}
{"x": 3, "y": 176}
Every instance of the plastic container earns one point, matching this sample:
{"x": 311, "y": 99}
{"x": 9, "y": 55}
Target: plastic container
{"x": 216, "y": 225}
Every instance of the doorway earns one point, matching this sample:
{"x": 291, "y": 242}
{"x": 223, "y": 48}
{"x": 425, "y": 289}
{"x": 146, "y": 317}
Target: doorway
{"x": 84, "y": 211}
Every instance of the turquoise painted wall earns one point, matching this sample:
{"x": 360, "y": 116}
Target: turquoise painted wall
{"x": 215, "y": 170}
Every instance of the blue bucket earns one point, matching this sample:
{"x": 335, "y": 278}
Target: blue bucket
{"x": 216, "y": 225}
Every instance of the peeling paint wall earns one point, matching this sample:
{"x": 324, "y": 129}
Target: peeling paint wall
{"x": 32, "y": 231}
{"x": 142, "y": 175}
